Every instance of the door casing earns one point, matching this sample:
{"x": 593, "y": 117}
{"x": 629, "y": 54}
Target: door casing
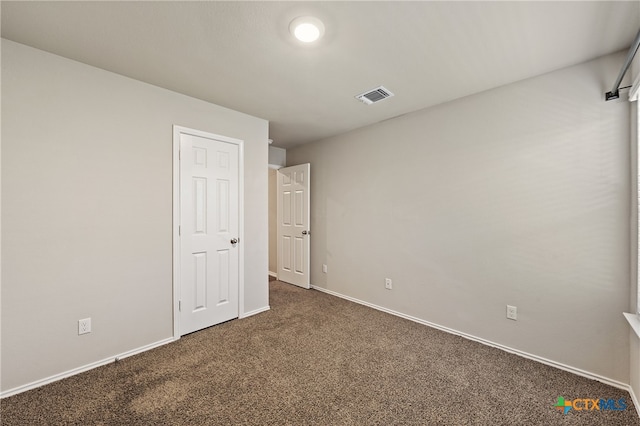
{"x": 177, "y": 131}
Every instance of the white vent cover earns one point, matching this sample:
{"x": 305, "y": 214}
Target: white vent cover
{"x": 374, "y": 95}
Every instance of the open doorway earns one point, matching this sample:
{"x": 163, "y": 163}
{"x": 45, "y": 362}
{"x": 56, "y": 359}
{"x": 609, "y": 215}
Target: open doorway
{"x": 277, "y": 160}
{"x": 273, "y": 223}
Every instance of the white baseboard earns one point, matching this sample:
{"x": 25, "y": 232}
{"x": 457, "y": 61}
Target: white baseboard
{"x": 273, "y": 274}
{"x": 634, "y": 398}
{"x": 254, "y": 312}
{"x": 523, "y": 354}
{"x": 102, "y": 362}
{"x": 83, "y": 368}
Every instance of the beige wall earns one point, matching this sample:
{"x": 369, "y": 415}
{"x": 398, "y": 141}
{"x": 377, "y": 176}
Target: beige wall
{"x": 634, "y": 298}
{"x": 634, "y": 295}
{"x": 277, "y": 156}
{"x": 518, "y": 195}
{"x": 87, "y": 211}
{"x": 277, "y": 159}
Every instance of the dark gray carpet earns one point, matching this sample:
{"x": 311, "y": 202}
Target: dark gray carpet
{"x": 315, "y": 359}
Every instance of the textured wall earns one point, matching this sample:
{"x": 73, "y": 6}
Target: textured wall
{"x": 87, "y": 210}
{"x": 634, "y": 294}
{"x": 518, "y": 195}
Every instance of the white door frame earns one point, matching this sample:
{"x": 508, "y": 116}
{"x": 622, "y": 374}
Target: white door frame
{"x": 177, "y": 131}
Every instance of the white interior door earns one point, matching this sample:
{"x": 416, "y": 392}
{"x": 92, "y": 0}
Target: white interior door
{"x": 209, "y": 229}
{"x": 293, "y": 225}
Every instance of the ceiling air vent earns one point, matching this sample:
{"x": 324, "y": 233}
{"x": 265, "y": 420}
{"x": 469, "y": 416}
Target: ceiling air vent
{"x": 374, "y": 95}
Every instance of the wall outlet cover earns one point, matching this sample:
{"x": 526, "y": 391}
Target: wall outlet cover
{"x": 512, "y": 312}
{"x": 84, "y": 326}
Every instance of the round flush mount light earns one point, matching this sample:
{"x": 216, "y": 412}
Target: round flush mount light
{"x": 307, "y": 29}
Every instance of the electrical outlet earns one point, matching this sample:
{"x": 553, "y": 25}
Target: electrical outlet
{"x": 84, "y": 326}
{"x": 324, "y": 268}
{"x": 388, "y": 284}
{"x": 512, "y": 312}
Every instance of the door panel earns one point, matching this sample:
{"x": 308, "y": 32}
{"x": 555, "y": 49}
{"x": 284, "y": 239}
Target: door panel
{"x": 209, "y": 215}
{"x": 293, "y": 225}
{"x": 199, "y": 281}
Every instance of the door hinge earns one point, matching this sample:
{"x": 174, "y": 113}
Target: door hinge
{"x": 179, "y": 305}
{"x": 179, "y": 155}
{"x": 179, "y": 230}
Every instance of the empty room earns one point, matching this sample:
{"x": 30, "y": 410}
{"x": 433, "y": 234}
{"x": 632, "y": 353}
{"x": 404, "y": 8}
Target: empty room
{"x": 322, "y": 213}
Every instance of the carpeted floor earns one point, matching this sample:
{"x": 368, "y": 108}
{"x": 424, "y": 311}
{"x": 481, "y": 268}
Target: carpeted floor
{"x": 315, "y": 359}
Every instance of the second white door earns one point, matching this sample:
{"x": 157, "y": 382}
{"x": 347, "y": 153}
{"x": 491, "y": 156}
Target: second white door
{"x": 293, "y": 225}
{"x": 209, "y": 222}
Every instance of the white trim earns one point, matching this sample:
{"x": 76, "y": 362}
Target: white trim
{"x": 634, "y": 321}
{"x": 523, "y": 354}
{"x": 240, "y": 224}
{"x": 634, "y": 398}
{"x": 273, "y": 274}
{"x": 176, "y": 236}
{"x": 177, "y": 131}
{"x": 255, "y": 312}
{"x": 84, "y": 368}
{"x": 635, "y": 90}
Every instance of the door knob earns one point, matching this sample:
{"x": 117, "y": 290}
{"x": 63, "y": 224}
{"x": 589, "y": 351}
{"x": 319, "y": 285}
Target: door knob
{"x": 234, "y": 241}
{"x": 306, "y": 232}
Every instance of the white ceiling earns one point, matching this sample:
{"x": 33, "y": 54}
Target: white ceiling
{"x": 241, "y": 55}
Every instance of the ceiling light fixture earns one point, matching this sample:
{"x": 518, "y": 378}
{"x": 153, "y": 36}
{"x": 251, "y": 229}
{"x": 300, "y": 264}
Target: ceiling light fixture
{"x": 307, "y": 29}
